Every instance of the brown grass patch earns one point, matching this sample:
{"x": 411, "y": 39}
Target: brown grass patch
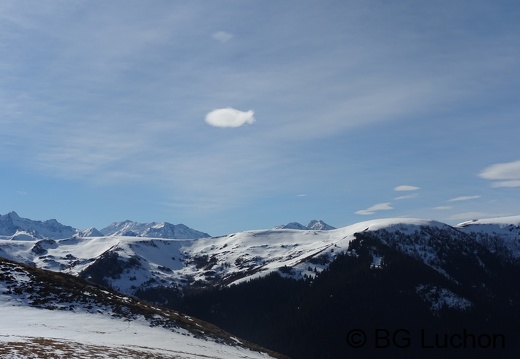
{"x": 46, "y": 348}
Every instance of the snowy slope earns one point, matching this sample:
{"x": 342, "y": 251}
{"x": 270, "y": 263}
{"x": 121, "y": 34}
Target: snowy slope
{"x": 26, "y": 331}
{"x": 41, "y": 313}
{"x": 498, "y": 221}
{"x": 499, "y": 234}
{"x": 247, "y": 255}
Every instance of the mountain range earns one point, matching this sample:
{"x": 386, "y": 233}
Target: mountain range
{"x": 302, "y": 291}
{"x": 15, "y": 227}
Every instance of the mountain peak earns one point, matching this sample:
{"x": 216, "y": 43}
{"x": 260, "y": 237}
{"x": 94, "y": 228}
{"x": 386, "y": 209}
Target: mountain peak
{"x": 11, "y": 223}
{"x": 292, "y": 225}
{"x": 90, "y": 232}
{"x": 319, "y": 225}
{"x": 316, "y": 225}
{"x": 13, "y": 215}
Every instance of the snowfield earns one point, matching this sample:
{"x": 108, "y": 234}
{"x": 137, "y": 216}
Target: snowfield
{"x": 25, "y": 331}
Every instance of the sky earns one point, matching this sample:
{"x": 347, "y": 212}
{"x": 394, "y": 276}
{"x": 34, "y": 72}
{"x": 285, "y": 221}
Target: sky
{"x": 235, "y": 115}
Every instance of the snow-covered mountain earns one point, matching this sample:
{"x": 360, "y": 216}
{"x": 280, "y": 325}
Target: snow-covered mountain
{"x": 138, "y": 264}
{"x": 11, "y": 223}
{"x": 41, "y": 310}
{"x": 291, "y": 225}
{"x": 319, "y": 225}
{"x": 90, "y": 232}
{"x": 314, "y": 224}
{"x": 153, "y": 229}
{"x": 14, "y": 227}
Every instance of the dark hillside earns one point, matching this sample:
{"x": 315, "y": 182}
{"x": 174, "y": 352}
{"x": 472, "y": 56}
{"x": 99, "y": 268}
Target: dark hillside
{"x": 312, "y": 318}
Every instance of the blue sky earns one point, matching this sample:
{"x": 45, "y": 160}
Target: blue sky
{"x": 236, "y": 115}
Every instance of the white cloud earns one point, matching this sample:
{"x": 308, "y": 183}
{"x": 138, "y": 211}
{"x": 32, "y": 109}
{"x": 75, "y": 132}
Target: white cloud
{"x": 229, "y": 117}
{"x": 405, "y": 188}
{"x": 463, "y": 198}
{"x": 408, "y": 196}
{"x": 505, "y": 174}
{"x": 375, "y": 208}
{"x": 509, "y": 183}
{"x": 222, "y": 36}
{"x": 442, "y": 208}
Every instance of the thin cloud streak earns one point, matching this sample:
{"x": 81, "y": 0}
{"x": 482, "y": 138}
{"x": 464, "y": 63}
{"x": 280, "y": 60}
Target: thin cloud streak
{"x": 409, "y": 196}
{"x": 375, "y": 208}
{"x": 463, "y": 198}
{"x": 405, "y": 188}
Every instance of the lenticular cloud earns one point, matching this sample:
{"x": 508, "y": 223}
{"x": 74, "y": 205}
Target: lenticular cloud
{"x": 229, "y": 117}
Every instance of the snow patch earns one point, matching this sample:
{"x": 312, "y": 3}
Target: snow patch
{"x": 440, "y": 298}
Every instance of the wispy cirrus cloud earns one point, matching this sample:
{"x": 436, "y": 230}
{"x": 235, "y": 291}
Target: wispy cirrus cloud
{"x": 408, "y": 196}
{"x": 463, "y": 198}
{"x": 406, "y": 188}
{"x": 375, "y": 208}
{"x": 503, "y": 174}
{"x": 442, "y": 208}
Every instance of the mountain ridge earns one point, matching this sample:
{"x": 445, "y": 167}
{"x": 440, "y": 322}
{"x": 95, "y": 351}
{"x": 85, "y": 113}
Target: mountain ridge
{"x": 15, "y": 227}
{"x": 11, "y": 223}
{"x": 152, "y": 230}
